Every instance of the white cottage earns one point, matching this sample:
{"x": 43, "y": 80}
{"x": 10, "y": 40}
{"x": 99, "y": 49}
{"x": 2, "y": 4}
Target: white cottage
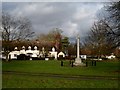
{"x": 35, "y": 52}
{"x": 53, "y": 53}
{"x": 23, "y": 50}
{"x": 61, "y": 54}
{"x": 14, "y": 54}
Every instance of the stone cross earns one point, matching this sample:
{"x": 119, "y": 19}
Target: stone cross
{"x": 78, "y": 47}
{"x": 78, "y": 61}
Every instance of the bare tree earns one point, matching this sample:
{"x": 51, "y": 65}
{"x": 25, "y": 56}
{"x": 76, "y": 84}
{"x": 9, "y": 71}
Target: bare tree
{"x": 14, "y": 28}
{"x": 97, "y": 39}
{"x": 53, "y": 38}
{"x": 114, "y": 21}
{"x": 104, "y": 36}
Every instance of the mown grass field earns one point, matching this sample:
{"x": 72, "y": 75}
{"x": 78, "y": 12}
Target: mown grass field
{"x": 13, "y": 80}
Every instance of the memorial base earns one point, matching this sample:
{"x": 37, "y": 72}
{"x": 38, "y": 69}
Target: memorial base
{"x": 78, "y": 62}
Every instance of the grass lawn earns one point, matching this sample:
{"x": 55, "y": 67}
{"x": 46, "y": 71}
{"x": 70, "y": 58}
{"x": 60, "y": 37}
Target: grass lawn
{"x": 11, "y": 80}
{"x": 18, "y": 81}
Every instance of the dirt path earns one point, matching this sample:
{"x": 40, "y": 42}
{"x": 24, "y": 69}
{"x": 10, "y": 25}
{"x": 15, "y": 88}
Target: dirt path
{"x": 80, "y": 77}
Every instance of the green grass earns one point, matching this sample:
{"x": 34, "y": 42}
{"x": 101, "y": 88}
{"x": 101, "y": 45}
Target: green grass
{"x": 102, "y": 68}
{"x": 53, "y": 67}
{"x": 0, "y": 74}
{"x": 18, "y": 81}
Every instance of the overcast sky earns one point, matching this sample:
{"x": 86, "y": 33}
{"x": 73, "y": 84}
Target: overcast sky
{"x": 72, "y": 17}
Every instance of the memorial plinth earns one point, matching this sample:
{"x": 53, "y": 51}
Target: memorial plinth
{"x": 78, "y": 61}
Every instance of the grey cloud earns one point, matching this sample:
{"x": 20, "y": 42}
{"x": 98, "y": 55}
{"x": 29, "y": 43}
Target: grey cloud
{"x": 70, "y": 17}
